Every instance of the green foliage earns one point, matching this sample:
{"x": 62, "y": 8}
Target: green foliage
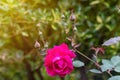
{"x": 112, "y": 64}
{"x": 22, "y": 22}
{"x": 107, "y": 65}
{"x": 114, "y": 78}
{"x": 78, "y": 63}
{"x": 95, "y": 71}
{"x": 115, "y": 60}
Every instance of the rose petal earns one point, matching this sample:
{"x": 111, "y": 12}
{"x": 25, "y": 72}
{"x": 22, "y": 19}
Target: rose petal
{"x": 64, "y": 46}
{"x": 59, "y": 64}
{"x": 50, "y": 71}
{"x": 68, "y": 60}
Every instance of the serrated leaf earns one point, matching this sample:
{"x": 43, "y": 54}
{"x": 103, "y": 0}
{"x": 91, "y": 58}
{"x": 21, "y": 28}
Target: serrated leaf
{"x": 114, "y": 78}
{"x": 107, "y": 64}
{"x": 117, "y": 69}
{"x": 105, "y": 68}
{"x": 78, "y": 63}
{"x": 95, "y": 71}
{"x": 115, "y": 60}
{"x": 111, "y": 41}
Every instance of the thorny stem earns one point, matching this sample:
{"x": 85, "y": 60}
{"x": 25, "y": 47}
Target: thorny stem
{"x": 95, "y": 62}
{"x": 92, "y": 61}
{"x": 85, "y": 56}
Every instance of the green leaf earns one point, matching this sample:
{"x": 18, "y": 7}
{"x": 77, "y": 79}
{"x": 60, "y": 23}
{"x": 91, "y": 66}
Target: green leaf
{"x": 95, "y": 2}
{"x": 99, "y": 19}
{"x": 107, "y": 64}
{"x": 78, "y": 63}
{"x": 115, "y": 60}
{"x": 105, "y": 68}
{"x": 109, "y": 18}
{"x": 106, "y": 4}
{"x": 95, "y": 71}
{"x": 109, "y": 27}
{"x": 118, "y": 64}
{"x": 53, "y": 27}
{"x": 114, "y": 78}
{"x": 117, "y": 69}
{"x": 98, "y": 27}
{"x": 25, "y": 34}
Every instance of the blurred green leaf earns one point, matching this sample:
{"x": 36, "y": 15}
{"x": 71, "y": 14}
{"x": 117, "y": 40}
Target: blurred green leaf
{"x": 115, "y": 60}
{"x": 78, "y": 63}
{"x": 95, "y": 2}
{"x": 99, "y": 19}
{"x": 107, "y": 64}
{"x": 95, "y": 71}
{"x": 114, "y": 78}
{"x": 117, "y": 69}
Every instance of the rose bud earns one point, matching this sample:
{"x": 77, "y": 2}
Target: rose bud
{"x": 72, "y": 17}
{"x": 37, "y": 44}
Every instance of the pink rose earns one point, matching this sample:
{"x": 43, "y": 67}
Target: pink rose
{"x": 58, "y": 60}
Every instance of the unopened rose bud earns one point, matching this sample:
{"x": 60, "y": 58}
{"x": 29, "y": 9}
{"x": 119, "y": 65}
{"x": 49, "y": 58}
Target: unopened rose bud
{"x": 37, "y": 44}
{"x": 72, "y": 17}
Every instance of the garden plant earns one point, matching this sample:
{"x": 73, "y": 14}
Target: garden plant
{"x": 59, "y": 39}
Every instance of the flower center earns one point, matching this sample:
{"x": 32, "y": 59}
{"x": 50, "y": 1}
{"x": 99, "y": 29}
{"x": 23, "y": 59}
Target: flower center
{"x": 59, "y": 64}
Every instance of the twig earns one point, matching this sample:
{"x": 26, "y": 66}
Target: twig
{"x": 92, "y": 61}
{"x": 85, "y": 56}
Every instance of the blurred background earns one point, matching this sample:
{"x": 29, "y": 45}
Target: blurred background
{"x": 22, "y": 22}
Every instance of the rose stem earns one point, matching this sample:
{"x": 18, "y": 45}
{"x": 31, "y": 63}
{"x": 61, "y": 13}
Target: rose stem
{"x": 91, "y": 60}
{"x": 85, "y": 56}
